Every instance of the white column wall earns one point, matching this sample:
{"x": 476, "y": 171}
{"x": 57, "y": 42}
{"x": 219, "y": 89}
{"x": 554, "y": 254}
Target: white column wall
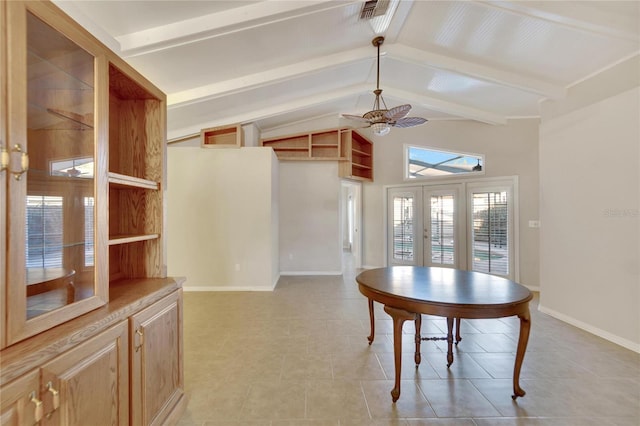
{"x": 222, "y": 219}
{"x": 310, "y": 218}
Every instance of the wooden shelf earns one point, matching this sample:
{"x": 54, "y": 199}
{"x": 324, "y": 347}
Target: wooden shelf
{"x": 358, "y": 151}
{"x": 221, "y": 137}
{"x": 322, "y": 145}
{"x": 125, "y": 239}
{"x": 124, "y": 181}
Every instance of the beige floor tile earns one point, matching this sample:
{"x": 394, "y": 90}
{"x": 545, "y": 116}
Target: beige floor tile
{"x": 336, "y": 399}
{"x": 411, "y": 404}
{"x": 275, "y": 400}
{"x": 456, "y": 398}
{"x": 302, "y": 358}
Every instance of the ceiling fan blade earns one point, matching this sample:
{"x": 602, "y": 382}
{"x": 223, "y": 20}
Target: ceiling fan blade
{"x": 398, "y": 112}
{"x": 409, "y": 122}
{"x": 356, "y": 118}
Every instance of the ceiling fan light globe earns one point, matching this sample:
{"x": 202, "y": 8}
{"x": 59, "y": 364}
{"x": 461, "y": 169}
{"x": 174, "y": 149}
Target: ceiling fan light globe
{"x": 380, "y": 129}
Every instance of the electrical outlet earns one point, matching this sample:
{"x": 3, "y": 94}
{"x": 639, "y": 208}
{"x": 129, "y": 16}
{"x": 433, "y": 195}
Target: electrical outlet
{"x": 534, "y": 224}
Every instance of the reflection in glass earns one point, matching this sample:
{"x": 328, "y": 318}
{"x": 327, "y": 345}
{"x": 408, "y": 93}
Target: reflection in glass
{"x": 442, "y": 230}
{"x": 60, "y": 190}
{"x": 426, "y": 163}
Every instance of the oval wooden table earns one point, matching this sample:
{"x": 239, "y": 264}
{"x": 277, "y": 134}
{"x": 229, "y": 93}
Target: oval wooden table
{"x": 409, "y": 291}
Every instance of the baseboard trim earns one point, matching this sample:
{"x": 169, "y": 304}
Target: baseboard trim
{"x": 625, "y": 343}
{"x": 227, "y": 288}
{"x": 293, "y": 273}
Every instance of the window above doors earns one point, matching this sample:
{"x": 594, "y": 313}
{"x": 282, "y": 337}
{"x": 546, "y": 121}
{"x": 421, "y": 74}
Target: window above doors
{"x": 427, "y": 163}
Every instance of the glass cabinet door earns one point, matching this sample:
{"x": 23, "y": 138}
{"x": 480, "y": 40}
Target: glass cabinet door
{"x": 52, "y": 192}
{"x": 60, "y": 190}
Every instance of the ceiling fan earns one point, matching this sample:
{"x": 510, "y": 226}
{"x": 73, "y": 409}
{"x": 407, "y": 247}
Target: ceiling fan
{"x": 382, "y": 119}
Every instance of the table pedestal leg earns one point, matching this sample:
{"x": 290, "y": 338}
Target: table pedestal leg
{"x": 372, "y": 320}
{"x": 417, "y": 357}
{"x": 399, "y": 316}
{"x": 525, "y": 326}
{"x": 449, "y": 341}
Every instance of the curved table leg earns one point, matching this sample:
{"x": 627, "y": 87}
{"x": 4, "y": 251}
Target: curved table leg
{"x": 458, "y": 336}
{"x": 417, "y": 357}
{"x": 449, "y": 342}
{"x": 525, "y": 326}
{"x": 399, "y": 316}
{"x": 372, "y": 320}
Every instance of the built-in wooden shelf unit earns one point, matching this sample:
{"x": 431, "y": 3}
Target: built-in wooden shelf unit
{"x": 358, "y": 152}
{"x": 221, "y": 137}
{"x": 317, "y": 145}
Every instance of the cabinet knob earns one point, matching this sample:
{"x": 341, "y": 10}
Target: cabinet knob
{"x": 56, "y": 395}
{"x": 39, "y": 411}
{"x": 140, "y": 340}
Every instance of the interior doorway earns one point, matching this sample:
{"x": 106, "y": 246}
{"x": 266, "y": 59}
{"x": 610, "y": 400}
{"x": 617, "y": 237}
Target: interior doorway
{"x": 351, "y": 224}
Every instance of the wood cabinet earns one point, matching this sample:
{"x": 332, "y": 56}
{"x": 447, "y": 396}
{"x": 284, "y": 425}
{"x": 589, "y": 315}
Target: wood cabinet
{"x": 221, "y": 137}
{"x": 96, "y": 370}
{"x": 317, "y": 145}
{"x": 358, "y": 152}
{"x": 156, "y": 372}
{"x": 120, "y": 364}
{"x": 20, "y": 401}
{"x": 82, "y": 178}
{"x": 64, "y": 390}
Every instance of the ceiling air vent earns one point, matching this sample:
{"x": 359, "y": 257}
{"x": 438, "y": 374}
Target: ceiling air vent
{"x": 373, "y": 8}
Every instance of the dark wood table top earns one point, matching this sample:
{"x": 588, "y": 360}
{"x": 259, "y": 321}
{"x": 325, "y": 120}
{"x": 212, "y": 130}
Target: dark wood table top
{"x": 444, "y": 291}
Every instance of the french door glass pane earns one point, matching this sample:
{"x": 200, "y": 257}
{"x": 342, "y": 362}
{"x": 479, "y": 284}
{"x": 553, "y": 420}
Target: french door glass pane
{"x": 490, "y": 249}
{"x": 403, "y": 227}
{"x": 442, "y": 229}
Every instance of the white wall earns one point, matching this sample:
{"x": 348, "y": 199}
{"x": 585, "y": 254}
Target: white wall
{"x": 309, "y": 209}
{"x": 509, "y": 150}
{"x": 310, "y": 218}
{"x": 222, "y": 228}
{"x": 590, "y": 206}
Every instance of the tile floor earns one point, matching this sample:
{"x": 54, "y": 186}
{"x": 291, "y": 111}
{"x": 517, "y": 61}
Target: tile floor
{"x": 299, "y": 356}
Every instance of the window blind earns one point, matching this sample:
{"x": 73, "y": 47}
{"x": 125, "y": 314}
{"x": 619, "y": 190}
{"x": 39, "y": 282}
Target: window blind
{"x": 490, "y": 233}
{"x": 403, "y": 223}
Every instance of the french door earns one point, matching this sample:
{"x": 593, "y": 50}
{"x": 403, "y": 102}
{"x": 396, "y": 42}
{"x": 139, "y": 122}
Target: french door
{"x": 405, "y": 228}
{"x": 463, "y": 225}
{"x": 443, "y": 222}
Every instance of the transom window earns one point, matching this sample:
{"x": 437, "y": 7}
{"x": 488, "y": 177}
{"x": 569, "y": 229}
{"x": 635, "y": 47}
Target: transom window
{"x": 424, "y": 163}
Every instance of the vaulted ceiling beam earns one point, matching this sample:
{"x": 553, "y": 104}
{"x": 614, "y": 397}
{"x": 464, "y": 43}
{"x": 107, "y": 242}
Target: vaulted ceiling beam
{"x": 476, "y": 70}
{"x": 267, "y": 77}
{"x": 445, "y": 106}
{"x": 217, "y": 24}
{"x": 251, "y": 115}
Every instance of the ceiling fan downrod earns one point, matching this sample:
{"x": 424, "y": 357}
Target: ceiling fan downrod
{"x": 377, "y": 42}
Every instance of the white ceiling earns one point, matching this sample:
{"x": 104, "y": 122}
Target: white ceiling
{"x": 280, "y": 62}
